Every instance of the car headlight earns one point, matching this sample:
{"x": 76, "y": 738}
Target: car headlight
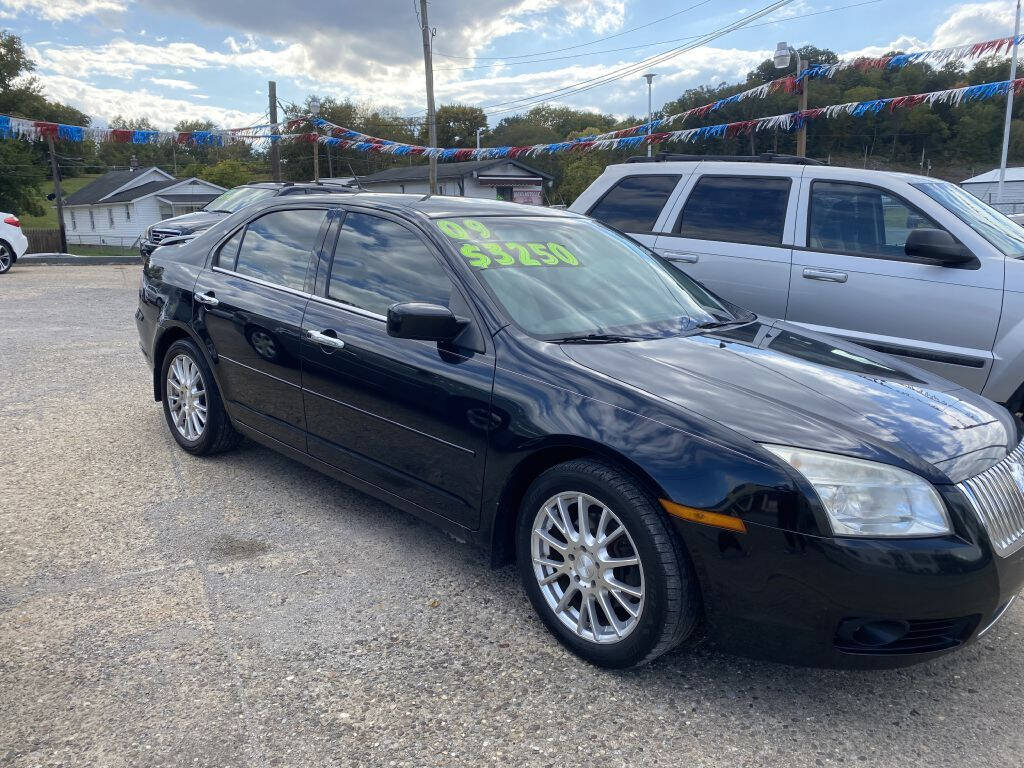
{"x": 865, "y": 498}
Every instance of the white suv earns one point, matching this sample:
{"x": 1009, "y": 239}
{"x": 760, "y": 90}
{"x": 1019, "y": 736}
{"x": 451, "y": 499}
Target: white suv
{"x": 907, "y": 265}
{"x": 13, "y": 243}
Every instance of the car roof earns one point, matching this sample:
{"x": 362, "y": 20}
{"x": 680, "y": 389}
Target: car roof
{"x": 291, "y": 184}
{"x": 739, "y": 169}
{"x": 441, "y": 206}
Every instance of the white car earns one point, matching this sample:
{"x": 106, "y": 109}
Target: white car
{"x": 13, "y": 242}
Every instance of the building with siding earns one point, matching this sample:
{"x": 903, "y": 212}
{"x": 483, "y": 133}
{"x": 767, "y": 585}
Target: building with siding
{"x": 489, "y": 179}
{"x": 986, "y": 185}
{"x": 117, "y": 207}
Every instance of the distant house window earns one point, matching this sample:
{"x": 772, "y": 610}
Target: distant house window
{"x": 110, "y": 217}
{"x": 128, "y": 212}
{"x": 92, "y": 220}
{"x": 74, "y": 224}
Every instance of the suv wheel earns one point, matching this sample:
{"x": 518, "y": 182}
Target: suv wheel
{"x": 192, "y": 405}
{"x": 602, "y": 568}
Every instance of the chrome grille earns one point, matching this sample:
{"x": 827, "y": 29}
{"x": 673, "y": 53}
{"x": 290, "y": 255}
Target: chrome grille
{"x": 997, "y": 495}
{"x": 156, "y": 235}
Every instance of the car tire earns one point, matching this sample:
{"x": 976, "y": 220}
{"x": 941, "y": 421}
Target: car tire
{"x": 196, "y": 418}
{"x": 7, "y": 257}
{"x": 657, "y": 604}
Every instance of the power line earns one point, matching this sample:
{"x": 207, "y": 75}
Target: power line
{"x": 583, "y": 45}
{"x": 503, "y": 63}
{"x": 630, "y": 69}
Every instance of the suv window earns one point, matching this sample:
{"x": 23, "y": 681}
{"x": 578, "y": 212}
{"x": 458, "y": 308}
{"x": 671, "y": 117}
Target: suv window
{"x": 860, "y": 220}
{"x": 378, "y": 262}
{"x": 634, "y": 203}
{"x": 739, "y": 209}
{"x": 276, "y": 247}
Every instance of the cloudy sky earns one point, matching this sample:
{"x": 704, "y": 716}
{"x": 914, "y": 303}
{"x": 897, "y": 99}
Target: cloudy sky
{"x": 169, "y": 59}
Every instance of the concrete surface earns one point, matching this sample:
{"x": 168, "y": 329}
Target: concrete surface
{"x": 157, "y": 609}
{"x": 71, "y": 259}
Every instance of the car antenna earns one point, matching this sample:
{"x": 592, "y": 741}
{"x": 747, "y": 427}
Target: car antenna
{"x": 355, "y": 178}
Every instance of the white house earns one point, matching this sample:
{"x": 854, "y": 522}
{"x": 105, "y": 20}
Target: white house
{"x": 490, "y": 179}
{"x": 986, "y": 185}
{"x": 117, "y": 207}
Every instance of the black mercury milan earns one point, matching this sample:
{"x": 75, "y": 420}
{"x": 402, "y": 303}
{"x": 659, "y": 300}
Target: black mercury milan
{"x": 651, "y": 456}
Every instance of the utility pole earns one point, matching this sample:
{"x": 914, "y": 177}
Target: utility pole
{"x": 275, "y": 146}
{"x": 58, "y": 195}
{"x": 649, "y": 77}
{"x": 801, "y": 136}
{"x": 314, "y": 108}
{"x": 428, "y": 67}
{"x": 1009, "y": 105}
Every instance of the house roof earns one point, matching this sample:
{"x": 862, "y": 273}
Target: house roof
{"x": 143, "y": 189}
{"x": 188, "y": 197}
{"x": 446, "y": 171}
{"x": 1012, "y": 174}
{"x": 105, "y": 184}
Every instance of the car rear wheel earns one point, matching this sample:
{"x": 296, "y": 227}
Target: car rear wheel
{"x": 6, "y": 257}
{"x": 601, "y": 566}
{"x": 192, "y": 405}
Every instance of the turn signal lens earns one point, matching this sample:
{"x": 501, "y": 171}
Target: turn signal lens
{"x": 13, "y": 221}
{"x": 728, "y": 522}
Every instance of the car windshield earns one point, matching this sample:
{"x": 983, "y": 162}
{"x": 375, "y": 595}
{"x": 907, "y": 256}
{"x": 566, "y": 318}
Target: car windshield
{"x": 237, "y": 198}
{"x": 569, "y": 279}
{"x": 1002, "y": 233}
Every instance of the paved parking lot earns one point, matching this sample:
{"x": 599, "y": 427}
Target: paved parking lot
{"x": 157, "y": 609}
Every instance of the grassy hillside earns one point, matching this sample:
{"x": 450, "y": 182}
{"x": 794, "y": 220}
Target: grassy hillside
{"x": 49, "y": 219}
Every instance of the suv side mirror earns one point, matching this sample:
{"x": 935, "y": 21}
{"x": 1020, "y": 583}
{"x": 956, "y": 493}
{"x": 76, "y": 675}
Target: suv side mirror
{"x": 937, "y": 245}
{"x": 426, "y": 322}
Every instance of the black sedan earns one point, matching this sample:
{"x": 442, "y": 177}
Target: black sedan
{"x": 651, "y": 456}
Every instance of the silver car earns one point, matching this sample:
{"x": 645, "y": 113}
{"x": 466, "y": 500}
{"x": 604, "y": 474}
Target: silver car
{"x": 908, "y": 265}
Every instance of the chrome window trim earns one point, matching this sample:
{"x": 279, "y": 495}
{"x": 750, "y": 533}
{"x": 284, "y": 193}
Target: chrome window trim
{"x": 258, "y": 281}
{"x": 349, "y": 308}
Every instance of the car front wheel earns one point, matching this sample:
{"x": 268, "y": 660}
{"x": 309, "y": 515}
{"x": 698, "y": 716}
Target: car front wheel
{"x": 601, "y": 566}
{"x": 192, "y": 405}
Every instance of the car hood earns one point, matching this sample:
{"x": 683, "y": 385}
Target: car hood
{"x": 189, "y": 223}
{"x": 774, "y": 382}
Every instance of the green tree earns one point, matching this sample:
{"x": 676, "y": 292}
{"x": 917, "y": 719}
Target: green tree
{"x": 456, "y": 125}
{"x": 227, "y": 173}
{"x": 20, "y": 180}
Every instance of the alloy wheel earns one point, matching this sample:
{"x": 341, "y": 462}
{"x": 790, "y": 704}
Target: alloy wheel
{"x": 588, "y": 567}
{"x": 186, "y": 397}
{"x": 6, "y": 258}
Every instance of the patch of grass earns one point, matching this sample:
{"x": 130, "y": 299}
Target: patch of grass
{"x": 49, "y": 219}
{"x": 102, "y": 250}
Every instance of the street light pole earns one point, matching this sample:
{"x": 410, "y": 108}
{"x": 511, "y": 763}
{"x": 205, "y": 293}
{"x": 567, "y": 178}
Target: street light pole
{"x": 478, "y": 131}
{"x": 649, "y": 77}
{"x": 428, "y": 68}
{"x": 314, "y": 110}
{"x": 1009, "y": 106}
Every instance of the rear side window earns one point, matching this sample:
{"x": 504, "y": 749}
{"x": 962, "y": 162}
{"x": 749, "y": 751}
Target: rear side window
{"x": 378, "y": 262}
{"x": 277, "y": 247}
{"x": 634, "y": 203}
{"x": 739, "y": 209}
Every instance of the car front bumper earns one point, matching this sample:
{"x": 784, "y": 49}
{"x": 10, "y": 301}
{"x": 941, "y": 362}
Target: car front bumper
{"x": 827, "y": 602}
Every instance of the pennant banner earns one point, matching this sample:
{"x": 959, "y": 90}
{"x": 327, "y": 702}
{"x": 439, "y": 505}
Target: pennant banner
{"x": 629, "y": 138}
{"x": 21, "y": 128}
{"x": 938, "y": 56}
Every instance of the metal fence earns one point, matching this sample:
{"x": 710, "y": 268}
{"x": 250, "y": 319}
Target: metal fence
{"x": 48, "y": 241}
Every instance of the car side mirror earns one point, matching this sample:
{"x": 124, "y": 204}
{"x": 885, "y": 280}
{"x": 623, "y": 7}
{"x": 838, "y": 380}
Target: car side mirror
{"x": 937, "y": 245}
{"x": 422, "y": 321}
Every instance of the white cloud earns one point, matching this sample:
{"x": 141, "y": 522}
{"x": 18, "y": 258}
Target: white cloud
{"x": 169, "y": 82}
{"x": 105, "y": 103}
{"x": 59, "y": 10}
{"x": 973, "y": 22}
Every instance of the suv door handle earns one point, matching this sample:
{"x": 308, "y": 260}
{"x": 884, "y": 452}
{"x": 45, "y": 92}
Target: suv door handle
{"x": 689, "y": 258}
{"x": 829, "y": 275}
{"x": 325, "y": 339}
{"x": 207, "y": 298}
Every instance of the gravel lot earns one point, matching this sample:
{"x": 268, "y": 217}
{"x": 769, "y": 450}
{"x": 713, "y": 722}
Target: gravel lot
{"x": 243, "y": 610}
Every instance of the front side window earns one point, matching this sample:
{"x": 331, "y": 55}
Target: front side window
{"x": 635, "y": 202}
{"x": 861, "y": 220}
{"x": 559, "y": 278}
{"x": 378, "y": 262}
{"x": 1002, "y": 233}
{"x": 739, "y": 209}
{"x": 276, "y": 247}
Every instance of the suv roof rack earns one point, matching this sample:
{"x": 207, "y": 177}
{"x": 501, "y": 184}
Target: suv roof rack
{"x": 764, "y": 157}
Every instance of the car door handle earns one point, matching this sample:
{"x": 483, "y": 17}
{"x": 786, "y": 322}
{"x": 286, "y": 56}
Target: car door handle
{"x": 828, "y": 275}
{"x": 325, "y": 340}
{"x": 689, "y": 258}
{"x": 208, "y": 299}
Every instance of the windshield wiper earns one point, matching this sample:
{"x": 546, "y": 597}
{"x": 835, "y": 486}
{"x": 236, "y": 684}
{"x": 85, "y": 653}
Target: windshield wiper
{"x": 713, "y": 324}
{"x": 594, "y": 338}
